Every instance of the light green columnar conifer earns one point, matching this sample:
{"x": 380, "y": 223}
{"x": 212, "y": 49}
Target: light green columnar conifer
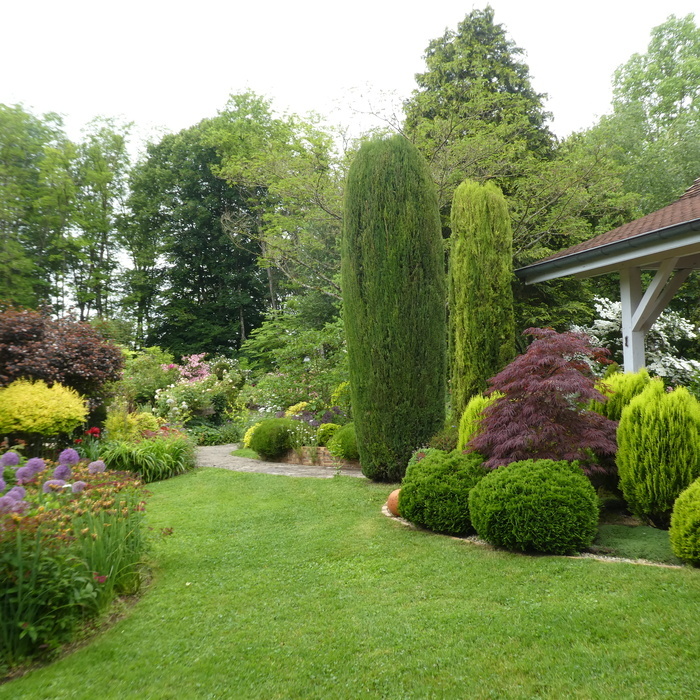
{"x": 620, "y": 388}
{"x": 471, "y": 417}
{"x": 658, "y": 450}
{"x": 393, "y": 282}
{"x": 481, "y": 327}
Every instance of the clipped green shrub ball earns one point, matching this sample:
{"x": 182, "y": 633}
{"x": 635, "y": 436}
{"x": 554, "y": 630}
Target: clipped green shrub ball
{"x": 325, "y": 432}
{"x": 435, "y": 491}
{"x": 685, "y": 525}
{"x": 536, "y": 506}
{"x": 272, "y": 437}
{"x": 343, "y": 445}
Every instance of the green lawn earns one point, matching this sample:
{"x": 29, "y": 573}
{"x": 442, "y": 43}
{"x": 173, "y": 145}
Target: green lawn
{"x": 276, "y": 587}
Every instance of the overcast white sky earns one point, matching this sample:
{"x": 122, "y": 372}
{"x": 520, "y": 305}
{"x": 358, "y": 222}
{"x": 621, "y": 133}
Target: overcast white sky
{"x": 169, "y": 64}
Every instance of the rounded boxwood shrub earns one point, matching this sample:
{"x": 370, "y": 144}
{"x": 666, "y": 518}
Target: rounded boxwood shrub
{"x": 685, "y": 525}
{"x": 272, "y": 437}
{"x": 435, "y": 491}
{"x": 325, "y": 432}
{"x": 343, "y": 445}
{"x": 536, "y": 505}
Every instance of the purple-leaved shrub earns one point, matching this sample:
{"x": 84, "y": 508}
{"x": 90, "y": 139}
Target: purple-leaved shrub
{"x": 542, "y": 413}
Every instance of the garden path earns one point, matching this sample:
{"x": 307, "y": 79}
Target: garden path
{"x": 220, "y": 456}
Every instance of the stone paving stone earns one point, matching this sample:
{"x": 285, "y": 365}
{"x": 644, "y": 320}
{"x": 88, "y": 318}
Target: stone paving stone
{"x": 220, "y": 456}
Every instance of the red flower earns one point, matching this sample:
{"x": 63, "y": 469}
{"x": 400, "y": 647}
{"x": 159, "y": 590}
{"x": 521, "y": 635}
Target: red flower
{"x": 77, "y": 441}
{"x": 93, "y": 432}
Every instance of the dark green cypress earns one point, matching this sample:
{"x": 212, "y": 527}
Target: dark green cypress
{"x": 393, "y": 281}
{"x": 482, "y": 328}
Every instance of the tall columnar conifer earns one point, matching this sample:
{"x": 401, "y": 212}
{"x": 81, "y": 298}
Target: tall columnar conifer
{"x": 393, "y": 283}
{"x": 482, "y": 329}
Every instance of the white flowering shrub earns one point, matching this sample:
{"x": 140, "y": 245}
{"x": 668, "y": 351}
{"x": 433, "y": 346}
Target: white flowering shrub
{"x": 660, "y": 343}
{"x": 211, "y": 395}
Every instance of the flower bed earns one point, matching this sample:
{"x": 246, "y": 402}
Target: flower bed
{"x": 71, "y": 540}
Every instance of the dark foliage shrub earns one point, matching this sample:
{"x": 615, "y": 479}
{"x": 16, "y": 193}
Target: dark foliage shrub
{"x": 445, "y": 439}
{"x": 536, "y": 505}
{"x": 325, "y": 432}
{"x": 74, "y": 354}
{"x": 273, "y": 437}
{"x": 393, "y": 282}
{"x": 435, "y": 491}
{"x": 343, "y": 445}
{"x": 685, "y": 525}
{"x": 659, "y": 450}
{"x": 543, "y": 414}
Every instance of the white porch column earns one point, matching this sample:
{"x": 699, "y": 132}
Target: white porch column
{"x": 632, "y": 340}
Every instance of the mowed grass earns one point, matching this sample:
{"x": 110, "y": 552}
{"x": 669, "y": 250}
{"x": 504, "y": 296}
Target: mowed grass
{"x": 279, "y": 587}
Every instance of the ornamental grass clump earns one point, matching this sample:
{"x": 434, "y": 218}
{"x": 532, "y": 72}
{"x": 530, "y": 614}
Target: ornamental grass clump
{"x": 435, "y": 491}
{"x": 536, "y": 506}
{"x": 659, "y": 450}
{"x": 160, "y": 456}
{"x": 64, "y": 554}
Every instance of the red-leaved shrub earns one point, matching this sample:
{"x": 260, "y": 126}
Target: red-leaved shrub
{"x": 34, "y": 346}
{"x": 543, "y": 413}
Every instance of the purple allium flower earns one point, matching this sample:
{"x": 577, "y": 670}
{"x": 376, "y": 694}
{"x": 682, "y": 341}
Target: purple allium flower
{"x": 79, "y": 486}
{"x": 96, "y": 467}
{"x": 62, "y": 471}
{"x": 24, "y": 474}
{"x": 69, "y": 457}
{"x": 17, "y": 493}
{"x": 36, "y": 464}
{"x": 2, "y": 484}
{"x": 10, "y": 505}
{"x": 9, "y": 459}
{"x": 53, "y": 485}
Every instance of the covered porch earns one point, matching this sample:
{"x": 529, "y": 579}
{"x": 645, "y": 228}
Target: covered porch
{"x": 666, "y": 241}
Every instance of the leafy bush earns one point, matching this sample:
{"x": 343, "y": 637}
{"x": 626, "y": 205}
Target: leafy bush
{"x": 343, "y": 445}
{"x": 215, "y": 435}
{"x": 273, "y": 437}
{"x": 325, "y": 432}
{"x": 543, "y": 413}
{"x": 145, "y": 372}
{"x": 30, "y": 408}
{"x": 685, "y": 525}
{"x": 74, "y": 354}
{"x": 153, "y": 459}
{"x": 422, "y": 453}
{"x": 469, "y": 423}
{"x": 129, "y": 427}
{"x": 445, "y": 439}
{"x": 619, "y": 388}
{"x": 536, "y": 505}
{"x": 659, "y": 450}
{"x": 435, "y": 491}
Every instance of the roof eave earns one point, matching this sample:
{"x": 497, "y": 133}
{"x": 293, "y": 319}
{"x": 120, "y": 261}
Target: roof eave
{"x": 636, "y": 250}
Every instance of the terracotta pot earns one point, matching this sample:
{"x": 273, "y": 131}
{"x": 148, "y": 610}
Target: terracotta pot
{"x": 393, "y": 502}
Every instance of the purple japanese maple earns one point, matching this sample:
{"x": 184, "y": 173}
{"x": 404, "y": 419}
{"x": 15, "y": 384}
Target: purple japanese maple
{"x": 543, "y": 413}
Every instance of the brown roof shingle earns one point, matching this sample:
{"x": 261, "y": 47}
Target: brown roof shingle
{"x": 684, "y": 209}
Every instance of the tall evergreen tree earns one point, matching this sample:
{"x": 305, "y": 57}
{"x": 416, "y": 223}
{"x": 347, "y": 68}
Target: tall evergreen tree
{"x": 213, "y": 294}
{"x": 393, "y": 282}
{"x": 482, "y": 330}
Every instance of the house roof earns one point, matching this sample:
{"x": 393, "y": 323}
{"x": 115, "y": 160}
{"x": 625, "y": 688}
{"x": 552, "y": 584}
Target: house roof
{"x": 673, "y": 231}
